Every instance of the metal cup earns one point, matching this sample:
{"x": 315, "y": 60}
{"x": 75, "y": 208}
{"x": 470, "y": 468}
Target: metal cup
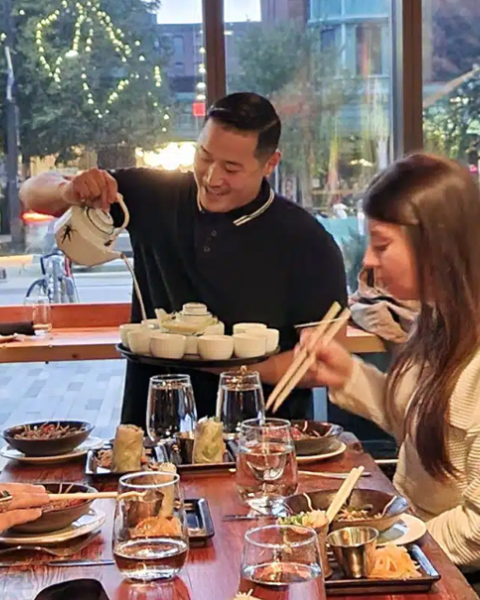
{"x": 354, "y": 549}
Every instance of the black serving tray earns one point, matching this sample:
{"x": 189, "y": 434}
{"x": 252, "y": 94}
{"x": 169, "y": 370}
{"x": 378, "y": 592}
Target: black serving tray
{"x": 94, "y": 470}
{"x": 337, "y": 585}
{"x": 191, "y": 361}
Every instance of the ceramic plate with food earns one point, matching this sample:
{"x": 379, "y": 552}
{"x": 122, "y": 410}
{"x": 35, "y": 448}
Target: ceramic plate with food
{"x": 13, "y": 454}
{"x": 47, "y": 438}
{"x": 337, "y": 450}
{"x": 315, "y": 437}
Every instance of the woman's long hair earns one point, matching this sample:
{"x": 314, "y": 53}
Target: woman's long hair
{"x": 437, "y": 202}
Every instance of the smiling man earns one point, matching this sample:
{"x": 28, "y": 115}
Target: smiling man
{"x": 220, "y": 236}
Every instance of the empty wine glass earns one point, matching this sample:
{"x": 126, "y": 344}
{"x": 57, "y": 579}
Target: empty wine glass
{"x": 171, "y": 407}
{"x": 283, "y": 555}
{"x": 266, "y": 464}
{"x": 240, "y": 397}
{"x": 150, "y": 535}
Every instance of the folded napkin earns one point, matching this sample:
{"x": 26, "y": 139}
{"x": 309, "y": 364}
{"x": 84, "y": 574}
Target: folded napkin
{"x": 23, "y": 327}
{"x": 76, "y": 589}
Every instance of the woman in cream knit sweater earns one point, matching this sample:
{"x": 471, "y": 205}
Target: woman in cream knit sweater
{"x": 424, "y": 223}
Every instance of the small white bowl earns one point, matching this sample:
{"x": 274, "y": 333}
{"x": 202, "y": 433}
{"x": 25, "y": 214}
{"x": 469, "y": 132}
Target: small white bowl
{"x": 151, "y": 323}
{"x": 249, "y": 346}
{"x": 272, "y": 337}
{"x": 194, "y": 308}
{"x": 125, "y": 329}
{"x": 217, "y": 329}
{"x": 245, "y": 327}
{"x": 167, "y": 345}
{"x": 215, "y": 347}
{"x": 191, "y": 346}
{"x": 139, "y": 341}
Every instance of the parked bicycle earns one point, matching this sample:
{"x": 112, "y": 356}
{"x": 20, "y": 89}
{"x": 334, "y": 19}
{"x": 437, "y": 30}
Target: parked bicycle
{"x": 56, "y": 282}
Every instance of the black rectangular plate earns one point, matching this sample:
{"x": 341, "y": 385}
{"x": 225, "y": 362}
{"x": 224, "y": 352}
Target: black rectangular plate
{"x": 167, "y": 456}
{"x": 199, "y": 519}
{"x": 336, "y": 585}
{"x": 92, "y": 469}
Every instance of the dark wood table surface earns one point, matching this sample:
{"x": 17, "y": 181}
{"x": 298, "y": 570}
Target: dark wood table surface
{"x": 212, "y": 572}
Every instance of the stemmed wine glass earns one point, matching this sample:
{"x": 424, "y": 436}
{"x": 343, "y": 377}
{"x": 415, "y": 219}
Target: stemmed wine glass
{"x": 171, "y": 407}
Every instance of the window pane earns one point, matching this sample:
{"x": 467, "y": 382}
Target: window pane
{"x": 329, "y": 79}
{"x": 451, "y": 55}
{"x": 114, "y": 83}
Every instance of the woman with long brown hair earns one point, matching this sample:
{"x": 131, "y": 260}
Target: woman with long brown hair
{"x": 424, "y": 224}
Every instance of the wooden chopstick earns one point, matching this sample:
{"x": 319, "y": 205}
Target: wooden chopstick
{"x": 303, "y": 354}
{"x": 92, "y": 496}
{"x": 309, "y": 361}
{"x": 328, "y": 475}
{"x": 343, "y": 493}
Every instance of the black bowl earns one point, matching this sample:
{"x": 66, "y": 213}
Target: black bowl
{"x": 54, "y": 520}
{"x": 48, "y": 447}
{"x": 322, "y": 499}
{"x": 327, "y": 441}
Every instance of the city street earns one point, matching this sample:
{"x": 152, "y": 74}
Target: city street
{"x": 100, "y": 286}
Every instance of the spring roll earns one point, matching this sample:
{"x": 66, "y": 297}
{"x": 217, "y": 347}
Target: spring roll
{"x": 127, "y": 449}
{"x": 208, "y": 446}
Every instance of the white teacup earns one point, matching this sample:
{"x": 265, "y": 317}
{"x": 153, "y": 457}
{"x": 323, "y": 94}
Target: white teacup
{"x": 249, "y": 346}
{"x": 272, "y": 337}
{"x": 139, "y": 340}
{"x": 215, "y": 347}
{"x": 191, "y": 346}
{"x": 246, "y": 327}
{"x": 217, "y": 329}
{"x": 167, "y": 345}
{"x": 125, "y": 329}
{"x": 151, "y": 323}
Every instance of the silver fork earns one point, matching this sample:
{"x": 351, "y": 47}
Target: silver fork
{"x": 59, "y": 552}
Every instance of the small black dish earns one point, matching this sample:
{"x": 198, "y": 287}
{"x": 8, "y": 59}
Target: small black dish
{"x": 48, "y": 446}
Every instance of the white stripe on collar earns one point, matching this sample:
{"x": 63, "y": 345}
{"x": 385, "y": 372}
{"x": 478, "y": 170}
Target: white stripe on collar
{"x": 251, "y": 216}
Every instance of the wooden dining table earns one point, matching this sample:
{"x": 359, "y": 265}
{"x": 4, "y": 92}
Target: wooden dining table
{"x": 211, "y": 572}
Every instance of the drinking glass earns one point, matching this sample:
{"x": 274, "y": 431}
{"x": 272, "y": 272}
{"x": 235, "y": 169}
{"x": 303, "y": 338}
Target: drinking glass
{"x": 40, "y": 313}
{"x": 240, "y": 397}
{"x": 283, "y": 555}
{"x": 266, "y": 464}
{"x": 150, "y": 535}
{"x": 171, "y": 407}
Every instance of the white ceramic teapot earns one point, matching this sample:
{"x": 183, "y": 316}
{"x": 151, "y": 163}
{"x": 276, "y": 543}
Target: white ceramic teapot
{"x": 86, "y": 235}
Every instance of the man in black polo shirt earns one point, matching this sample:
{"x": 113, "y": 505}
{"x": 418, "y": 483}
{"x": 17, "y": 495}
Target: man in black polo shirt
{"x": 220, "y": 236}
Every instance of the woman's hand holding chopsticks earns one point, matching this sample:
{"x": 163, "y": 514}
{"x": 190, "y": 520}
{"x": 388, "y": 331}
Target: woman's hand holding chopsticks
{"x": 333, "y": 364}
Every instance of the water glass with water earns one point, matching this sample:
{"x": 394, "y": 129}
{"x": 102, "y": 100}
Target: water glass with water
{"x": 266, "y": 464}
{"x": 276, "y": 556}
{"x": 240, "y": 397}
{"x": 171, "y": 407}
{"x": 150, "y": 535}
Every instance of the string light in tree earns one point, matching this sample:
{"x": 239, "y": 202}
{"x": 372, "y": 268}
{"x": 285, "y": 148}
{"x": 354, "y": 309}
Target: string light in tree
{"x": 90, "y": 16}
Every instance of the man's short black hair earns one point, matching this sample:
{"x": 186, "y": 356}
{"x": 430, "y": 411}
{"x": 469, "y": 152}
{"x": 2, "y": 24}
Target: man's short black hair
{"x": 250, "y": 112}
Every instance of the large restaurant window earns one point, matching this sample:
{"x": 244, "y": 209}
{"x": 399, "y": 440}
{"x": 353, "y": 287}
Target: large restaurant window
{"x": 110, "y": 82}
{"x": 451, "y": 72}
{"x": 326, "y": 67}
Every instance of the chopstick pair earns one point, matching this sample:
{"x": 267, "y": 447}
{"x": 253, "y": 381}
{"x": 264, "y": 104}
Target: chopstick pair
{"x": 327, "y": 329}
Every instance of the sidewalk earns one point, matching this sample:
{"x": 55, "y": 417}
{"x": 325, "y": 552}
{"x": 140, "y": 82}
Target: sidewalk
{"x": 87, "y": 390}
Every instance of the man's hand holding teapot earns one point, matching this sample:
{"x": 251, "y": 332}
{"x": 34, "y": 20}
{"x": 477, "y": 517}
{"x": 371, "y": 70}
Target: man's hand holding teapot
{"x": 94, "y": 187}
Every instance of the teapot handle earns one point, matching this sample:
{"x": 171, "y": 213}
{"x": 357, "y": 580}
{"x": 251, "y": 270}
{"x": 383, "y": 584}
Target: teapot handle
{"x": 126, "y": 219}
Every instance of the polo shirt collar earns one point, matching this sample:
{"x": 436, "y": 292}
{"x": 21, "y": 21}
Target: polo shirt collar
{"x": 252, "y": 210}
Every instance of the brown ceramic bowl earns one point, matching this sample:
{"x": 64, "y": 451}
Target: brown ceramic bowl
{"x": 327, "y": 441}
{"x": 322, "y": 499}
{"x": 49, "y": 447}
{"x": 56, "y": 519}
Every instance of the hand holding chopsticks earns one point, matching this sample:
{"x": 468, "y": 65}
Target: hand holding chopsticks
{"x": 326, "y": 330}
